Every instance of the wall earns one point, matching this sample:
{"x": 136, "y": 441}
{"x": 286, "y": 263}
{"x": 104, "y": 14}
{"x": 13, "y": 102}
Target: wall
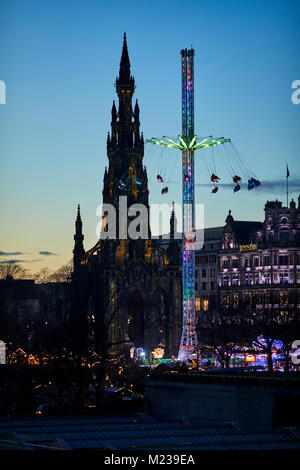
{"x": 256, "y": 403}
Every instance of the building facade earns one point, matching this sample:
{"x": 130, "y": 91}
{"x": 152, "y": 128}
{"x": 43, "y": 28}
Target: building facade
{"x": 260, "y": 261}
{"x": 34, "y": 316}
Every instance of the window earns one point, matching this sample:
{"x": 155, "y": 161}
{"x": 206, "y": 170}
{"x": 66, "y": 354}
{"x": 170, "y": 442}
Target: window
{"x": 235, "y": 299}
{"x": 284, "y": 236}
{"x": 283, "y": 298}
{"x": 284, "y": 277}
{"x": 201, "y": 304}
{"x": 247, "y": 263}
{"x": 225, "y": 280}
{"x": 225, "y": 263}
{"x": 267, "y": 278}
{"x": 212, "y": 273}
{"x": 235, "y": 279}
{"x": 283, "y": 260}
{"x": 203, "y": 272}
{"x": 235, "y": 263}
{"x": 213, "y": 258}
{"x": 256, "y": 262}
{"x": 204, "y": 259}
{"x": 266, "y": 260}
{"x": 204, "y": 285}
{"x": 196, "y": 286}
{"x": 284, "y": 315}
{"x": 212, "y": 285}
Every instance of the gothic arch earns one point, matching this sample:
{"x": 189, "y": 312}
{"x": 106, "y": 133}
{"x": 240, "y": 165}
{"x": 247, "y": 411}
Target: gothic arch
{"x": 160, "y": 307}
{"x": 136, "y": 316}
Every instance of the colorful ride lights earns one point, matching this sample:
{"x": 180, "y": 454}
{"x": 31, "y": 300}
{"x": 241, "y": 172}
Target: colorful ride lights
{"x": 137, "y": 353}
{"x": 189, "y": 352}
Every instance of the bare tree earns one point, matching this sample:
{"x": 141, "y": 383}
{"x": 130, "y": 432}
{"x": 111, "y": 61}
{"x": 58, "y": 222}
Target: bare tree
{"x": 225, "y": 334}
{"x": 43, "y": 275}
{"x": 63, "y": 274}
{"x": 14, "y": 270}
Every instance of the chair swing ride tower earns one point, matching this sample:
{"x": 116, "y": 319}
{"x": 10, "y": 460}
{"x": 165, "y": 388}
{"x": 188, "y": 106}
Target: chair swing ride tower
{"x": 188, "y": 144}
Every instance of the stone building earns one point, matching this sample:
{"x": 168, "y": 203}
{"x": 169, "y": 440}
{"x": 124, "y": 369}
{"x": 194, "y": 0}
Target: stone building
{"x": 260, "y": 261}
{"x": 31, "y": 313}
{"x": 125, "y": 292}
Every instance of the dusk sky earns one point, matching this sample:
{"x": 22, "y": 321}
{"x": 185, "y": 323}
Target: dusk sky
{"x": 60, "y": 59}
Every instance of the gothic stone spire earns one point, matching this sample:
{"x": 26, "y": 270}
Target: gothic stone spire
{"x": 78, "y": 237}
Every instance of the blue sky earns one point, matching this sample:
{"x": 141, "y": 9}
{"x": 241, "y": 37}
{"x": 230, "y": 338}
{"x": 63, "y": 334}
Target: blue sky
{"x": 59, "y": 60}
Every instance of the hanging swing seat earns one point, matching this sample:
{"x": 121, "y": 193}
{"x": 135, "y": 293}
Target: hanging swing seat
{"x": 214, "y": 178}
{"x": 253, "y": 183}
{"x": 236, "y": 179}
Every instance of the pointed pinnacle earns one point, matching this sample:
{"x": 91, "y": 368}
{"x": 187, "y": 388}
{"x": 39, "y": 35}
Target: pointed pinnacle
{"x": 125, "y": 57}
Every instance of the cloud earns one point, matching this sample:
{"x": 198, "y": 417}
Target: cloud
{"x": 47, "y": 253}
{"x": 18, "y": 261}
{"x": 12, "y": 253}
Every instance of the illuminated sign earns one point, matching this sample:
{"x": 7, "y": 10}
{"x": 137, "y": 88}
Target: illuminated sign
{"x": 131, "y": 352}
{"x": 250, "y": 247}
{"x": 140, "y": 353}
{"x": 250, "y": 358}
{"x": 158, "y": 353}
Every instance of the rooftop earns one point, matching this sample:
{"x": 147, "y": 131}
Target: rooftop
{"x": 136, "y": 432}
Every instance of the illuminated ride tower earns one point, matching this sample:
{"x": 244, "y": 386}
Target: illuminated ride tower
{"x": 188, "y": 144}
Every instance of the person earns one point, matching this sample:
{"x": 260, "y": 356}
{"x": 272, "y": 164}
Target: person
{"x": 253, "y": 183}
{"x": 236, "y": 188}
{"x": 214, "y": 178}
{"x": 159, "y": 179}
{"x": 164, "y": 190}
{"x": 215, "y": 189}
{"x": 236, "y": 179}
